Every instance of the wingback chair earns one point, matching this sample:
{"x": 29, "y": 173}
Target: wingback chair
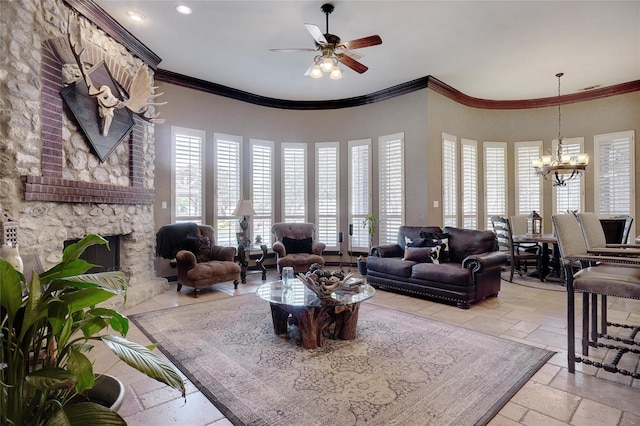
{"x": 295, "y": 246}
{"x": 204, "y": 263}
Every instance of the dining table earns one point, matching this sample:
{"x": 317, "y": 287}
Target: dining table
{"x": 548, "y": 267}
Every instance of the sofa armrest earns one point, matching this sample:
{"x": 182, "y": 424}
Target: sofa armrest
{"x": 278, "y": 247}
{"x": 391, "y": 250}
{"x": 485, "y": 261}
{"x": 223, "y": 253}
{"x": 318, "y": 247}
{"x": 185, "y": 260}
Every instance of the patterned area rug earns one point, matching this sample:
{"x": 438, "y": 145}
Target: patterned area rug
{"x": 401, "y": 369}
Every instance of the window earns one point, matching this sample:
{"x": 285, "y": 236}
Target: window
{"x": 528, "y": 184}
{"x": 449, "y": 180}
{"x": 327, "y": 194}
{"x": 262, "y": 188}
{"x": 359, "y": 191}
{"x": 227, "y": 166}
{"x": 614, "y": 174}
{"x": 469, "y": 163}
{"x": 571, "y": 195}
{"x": 188, "y": 183}
{"x": 294, "y": 182}
{"x": 391, "y": 186}
{"x": 495, "y": 180}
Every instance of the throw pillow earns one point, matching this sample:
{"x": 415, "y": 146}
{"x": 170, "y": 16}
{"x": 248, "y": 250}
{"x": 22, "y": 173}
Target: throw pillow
{"x": 418, "y": 254}
{"x": 437, "y": 238}
{"x": 292, "y": 245}
{"x": 418, "y": 242}
{"x": 204, "y": 249}
{"x": 437, "y": 254}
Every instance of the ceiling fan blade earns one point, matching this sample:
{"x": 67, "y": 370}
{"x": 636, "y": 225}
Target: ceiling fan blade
{"x": 359, "y": 43}
{"x": 352, "y": 63}
{"x": 307, "y": 73}
{"x": 294, "y": 50}
{"x": 316, "y": 34}
{"x": 352, "y": 54}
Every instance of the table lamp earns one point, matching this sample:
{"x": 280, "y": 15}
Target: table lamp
{"x": 244, "y": 210}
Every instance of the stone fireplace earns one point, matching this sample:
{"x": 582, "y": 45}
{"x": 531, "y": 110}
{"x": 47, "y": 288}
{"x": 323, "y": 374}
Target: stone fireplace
{"x": 51, "y": 182}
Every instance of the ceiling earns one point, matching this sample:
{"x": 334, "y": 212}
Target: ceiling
{"x": 497, "y": 50}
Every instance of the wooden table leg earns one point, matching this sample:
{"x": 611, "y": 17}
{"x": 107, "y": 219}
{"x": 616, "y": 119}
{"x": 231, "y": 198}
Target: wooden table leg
{"x": 313, "y": 321}
{"x": 346, "y": 322}
{"x": 279, "y": 317}
{"x": 244, "y": 263}
{"x": 260, "y": 261}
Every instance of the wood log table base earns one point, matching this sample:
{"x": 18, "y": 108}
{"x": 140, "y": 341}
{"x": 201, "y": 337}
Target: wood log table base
{"x": 338, "y": 322}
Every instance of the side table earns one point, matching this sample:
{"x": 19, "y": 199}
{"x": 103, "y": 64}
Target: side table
{"x": 244, "y": 254}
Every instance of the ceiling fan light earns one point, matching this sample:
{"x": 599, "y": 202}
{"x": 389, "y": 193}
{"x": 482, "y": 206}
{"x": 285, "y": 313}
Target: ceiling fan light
{"x": 316, "y": 71}
{"x": 327, "y": 64}
{"x": 336, "y": 73}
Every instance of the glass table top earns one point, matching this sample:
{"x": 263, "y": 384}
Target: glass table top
{"x": 299, "y": 295}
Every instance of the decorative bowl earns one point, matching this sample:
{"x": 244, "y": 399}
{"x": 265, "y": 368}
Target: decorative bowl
{"x": 323, "y": 288}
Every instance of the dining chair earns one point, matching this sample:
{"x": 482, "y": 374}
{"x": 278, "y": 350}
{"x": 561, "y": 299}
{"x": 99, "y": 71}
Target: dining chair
{"x": 518, "y": 255}
{"x": 608, "y": 276}
{"x": 628, "y": 221}
{"x": 595, "y": 239}
{"x": 519, "y": 223}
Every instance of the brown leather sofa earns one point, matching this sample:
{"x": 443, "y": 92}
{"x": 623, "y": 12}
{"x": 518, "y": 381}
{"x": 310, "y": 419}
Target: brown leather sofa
{"x": 470, "y": 272}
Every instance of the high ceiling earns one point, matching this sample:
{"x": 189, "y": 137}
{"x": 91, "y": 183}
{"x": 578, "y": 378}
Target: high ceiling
{"x": 498, "y": 50}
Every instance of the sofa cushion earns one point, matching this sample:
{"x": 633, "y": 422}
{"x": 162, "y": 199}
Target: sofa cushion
{"x": 293, "y": 245}
{"x": 390, "y": 266}
{"x": 464, "y": 242}
{"x": 446, "y": 273}
{"x": 418, "y": 254}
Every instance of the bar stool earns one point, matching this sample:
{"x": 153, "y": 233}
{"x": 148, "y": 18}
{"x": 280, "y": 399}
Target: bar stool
{"x": 612, "y": 276}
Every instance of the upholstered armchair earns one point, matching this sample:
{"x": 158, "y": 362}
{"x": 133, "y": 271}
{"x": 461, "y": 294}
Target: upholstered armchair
{"x": 295, "y": 246}
{"x": 202, "y": 263}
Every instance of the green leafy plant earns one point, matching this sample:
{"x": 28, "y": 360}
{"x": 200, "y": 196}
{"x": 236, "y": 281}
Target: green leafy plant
{"x": 369, "y": 223}
{"x": 48, "y": 326}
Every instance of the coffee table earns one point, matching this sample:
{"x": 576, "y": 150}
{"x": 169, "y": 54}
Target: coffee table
{"x": 338, "y": 315}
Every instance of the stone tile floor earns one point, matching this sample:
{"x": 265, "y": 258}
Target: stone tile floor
{"x": 533, "y": 316}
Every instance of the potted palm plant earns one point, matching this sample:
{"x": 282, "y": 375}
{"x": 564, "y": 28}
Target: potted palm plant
{"x": 48, "y": 326}
{"x": 368, "y": 223}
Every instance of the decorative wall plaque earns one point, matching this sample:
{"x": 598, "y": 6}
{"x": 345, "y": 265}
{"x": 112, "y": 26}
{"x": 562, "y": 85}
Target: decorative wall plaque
{"x": 87, "y": 113}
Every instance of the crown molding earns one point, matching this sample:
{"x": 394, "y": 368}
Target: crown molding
{"x": 106, "y": 23}
{"x": 218, "y": 89}
{"x": 603, "y": 92}
{"x": 401, "y": 89}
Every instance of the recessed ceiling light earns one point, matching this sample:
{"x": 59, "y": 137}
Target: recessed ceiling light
{"x": 134, "y": 15}
{"x": 185, "y": 10}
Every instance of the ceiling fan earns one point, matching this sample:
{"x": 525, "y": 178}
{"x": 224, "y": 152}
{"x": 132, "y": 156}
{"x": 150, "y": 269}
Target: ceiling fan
{"x": 334, "y": 50}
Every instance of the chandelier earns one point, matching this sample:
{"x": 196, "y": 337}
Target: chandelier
{"x": 561, "y": 167}
{"x": 327, "y": 62}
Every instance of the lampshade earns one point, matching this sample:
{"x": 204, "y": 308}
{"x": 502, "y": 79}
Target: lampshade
{"x": 316, "y": 71}
{"x": 336, "y": 74}
{"x": 327, "y": 64}
{"x": 244, "y": 208}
